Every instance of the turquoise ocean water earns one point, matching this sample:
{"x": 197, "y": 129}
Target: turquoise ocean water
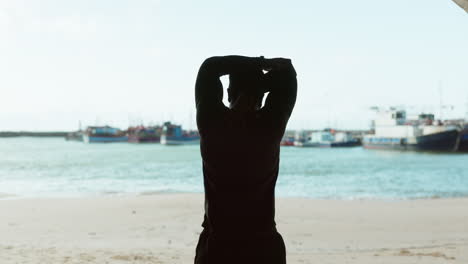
{"x": 53, "y": 167}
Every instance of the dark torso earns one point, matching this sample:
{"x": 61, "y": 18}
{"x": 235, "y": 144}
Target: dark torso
{"x": 240, "y": 166}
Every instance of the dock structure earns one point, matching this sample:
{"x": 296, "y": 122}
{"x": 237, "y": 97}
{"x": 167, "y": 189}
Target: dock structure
{"x": 33, "y": 134}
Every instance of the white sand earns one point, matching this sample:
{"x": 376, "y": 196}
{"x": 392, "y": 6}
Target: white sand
{"x": 164, "y": 228}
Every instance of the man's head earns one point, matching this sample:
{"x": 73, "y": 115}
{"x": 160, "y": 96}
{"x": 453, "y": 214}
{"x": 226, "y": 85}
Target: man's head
{"x": 246, "y": 90}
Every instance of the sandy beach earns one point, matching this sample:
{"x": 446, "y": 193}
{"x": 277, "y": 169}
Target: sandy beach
{"x": 164, "y": 228}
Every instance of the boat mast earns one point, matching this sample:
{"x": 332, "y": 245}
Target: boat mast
{"x": 441, "y": 104}
{"x": 440, "y": 101}
{"x": 466, "y": 107}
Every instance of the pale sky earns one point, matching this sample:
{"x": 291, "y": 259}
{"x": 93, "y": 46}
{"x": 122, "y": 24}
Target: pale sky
{"x": 124, "y": 62}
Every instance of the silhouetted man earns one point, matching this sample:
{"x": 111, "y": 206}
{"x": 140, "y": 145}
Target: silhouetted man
{"x": 240, "y": 147}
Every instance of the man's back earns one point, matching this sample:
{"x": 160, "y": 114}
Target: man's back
{"x": 240, "y": 166}
{"x": 240, "y": 152}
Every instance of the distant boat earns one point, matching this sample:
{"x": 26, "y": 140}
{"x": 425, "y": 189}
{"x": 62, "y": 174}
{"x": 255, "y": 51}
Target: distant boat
{"x": 287, "y": 141}
{"x": 394, "y": 131}
{"x": 328, "y": 138}
{"x": 74, "y": 136}
{"x": 174, "y": 135}
{"x": 143, "y": 134}
{"x": 104, "y": 134}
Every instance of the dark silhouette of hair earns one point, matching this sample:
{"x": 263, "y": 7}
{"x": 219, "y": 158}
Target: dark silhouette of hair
{"x": 248, "y": 82}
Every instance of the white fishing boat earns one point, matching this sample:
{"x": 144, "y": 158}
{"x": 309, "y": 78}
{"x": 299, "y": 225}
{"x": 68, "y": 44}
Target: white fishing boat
{"x": 328, "y": 138}
{"x": 392, "y": 130}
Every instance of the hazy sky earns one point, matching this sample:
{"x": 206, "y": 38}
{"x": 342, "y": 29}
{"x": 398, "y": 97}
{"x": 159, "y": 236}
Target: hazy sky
{"x": 120, "y": 62}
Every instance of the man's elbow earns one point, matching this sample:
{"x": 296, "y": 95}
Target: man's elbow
{"x": 290, "y": 70}
{"x": 210, "y": 63}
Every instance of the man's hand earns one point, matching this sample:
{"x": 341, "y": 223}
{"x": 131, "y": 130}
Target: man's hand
{"x": 276, "y": 64}
{"x": 276, "y": 67}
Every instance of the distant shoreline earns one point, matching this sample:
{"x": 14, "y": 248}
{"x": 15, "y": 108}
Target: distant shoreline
{"x": 4, "y": 134}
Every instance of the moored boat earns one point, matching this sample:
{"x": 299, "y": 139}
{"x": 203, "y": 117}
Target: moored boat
{"x": 394, "y": 131}
{"x": 142, "y": 134}
{"x": 287, "y": 141}
{"x": 328, "y": 138}
{"x": 174, "y": 135}
{"x": 104, "y": 134}
{"x": 74, "y": 136}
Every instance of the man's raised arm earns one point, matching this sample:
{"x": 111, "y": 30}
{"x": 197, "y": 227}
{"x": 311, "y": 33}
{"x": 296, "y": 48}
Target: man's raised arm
{"x": 208, "y": 87}
{"x": 282, "y": 84}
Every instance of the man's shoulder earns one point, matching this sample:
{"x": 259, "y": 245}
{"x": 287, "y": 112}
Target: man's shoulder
{"x": 209, "y": 116}
{"x": 210, "y": 109}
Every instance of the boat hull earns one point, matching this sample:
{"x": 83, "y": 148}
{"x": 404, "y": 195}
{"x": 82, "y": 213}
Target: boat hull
{"x": 463, "y": 145}
{"x": 101, "y": 139}
{"x": 443, "y": 141}
{"x": 137, "y": 139}
{"x": 328, "y": 144}
{"x": 345, "y": 144}
{"x": 177, "y": 141}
